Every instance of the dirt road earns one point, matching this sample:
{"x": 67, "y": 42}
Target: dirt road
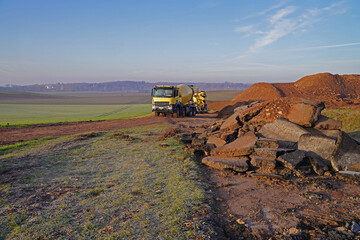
{"x": 20, "y": 134}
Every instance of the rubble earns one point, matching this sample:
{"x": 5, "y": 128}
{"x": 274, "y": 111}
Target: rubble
{"x": 236, "y": 164}
{"x": 242, "y": 146}
{"x": 282, "y": 129}
{"x": 280, "y": 137}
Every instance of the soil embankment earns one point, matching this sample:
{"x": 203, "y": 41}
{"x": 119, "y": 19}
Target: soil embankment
{"x": 336, "y": 91}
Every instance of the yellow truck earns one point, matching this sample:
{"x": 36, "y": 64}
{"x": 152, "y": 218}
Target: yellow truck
{"x": 180, "y": 100}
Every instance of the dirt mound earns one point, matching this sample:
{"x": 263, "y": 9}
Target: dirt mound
{"x": 334, "y": 90}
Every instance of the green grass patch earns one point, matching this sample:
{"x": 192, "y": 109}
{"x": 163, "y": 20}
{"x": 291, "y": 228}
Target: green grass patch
{"x": 13, "y": 147}
{"x": 350, "y": 120}
{"x": 26, "y": 114}
{"x": 103, "y": 187}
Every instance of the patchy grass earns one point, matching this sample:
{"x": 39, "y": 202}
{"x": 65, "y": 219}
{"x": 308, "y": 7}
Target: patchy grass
{"x": 27, "y": 114}
{"x": 102, "y": 186}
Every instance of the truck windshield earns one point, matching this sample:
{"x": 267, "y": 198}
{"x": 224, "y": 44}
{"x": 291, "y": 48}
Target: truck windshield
{"x": 162, "y": 92}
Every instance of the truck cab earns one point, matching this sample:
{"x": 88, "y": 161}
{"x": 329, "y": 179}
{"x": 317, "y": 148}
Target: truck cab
{"x": 177, "y": 100}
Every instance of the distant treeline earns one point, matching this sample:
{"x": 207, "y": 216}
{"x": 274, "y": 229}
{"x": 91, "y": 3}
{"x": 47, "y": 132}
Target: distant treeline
{"x": 118, "y": 86}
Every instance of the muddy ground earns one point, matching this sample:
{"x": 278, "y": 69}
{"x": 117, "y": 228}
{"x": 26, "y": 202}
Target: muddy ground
{"x": 247, "y": 206}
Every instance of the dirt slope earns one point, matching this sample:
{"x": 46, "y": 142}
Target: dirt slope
{"x": 335, "y": 90}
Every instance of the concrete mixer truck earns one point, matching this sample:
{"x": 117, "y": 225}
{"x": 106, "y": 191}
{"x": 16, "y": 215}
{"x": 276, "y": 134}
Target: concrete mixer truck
{"x": 178, "y": 101}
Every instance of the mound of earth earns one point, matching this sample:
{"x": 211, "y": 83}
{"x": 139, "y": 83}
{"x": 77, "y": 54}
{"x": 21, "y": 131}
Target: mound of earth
{"x": 334, "y": 90}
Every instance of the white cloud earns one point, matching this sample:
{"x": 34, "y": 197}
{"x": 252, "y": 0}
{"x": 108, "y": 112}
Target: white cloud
{"x": 282, "y": 13}
{"x": 261, "y": 13}
{"x": 243, "y": 29}
{"x": 281, "y": 24}
{"x": 332, "y": 46}
{"x": 279, "y": 30}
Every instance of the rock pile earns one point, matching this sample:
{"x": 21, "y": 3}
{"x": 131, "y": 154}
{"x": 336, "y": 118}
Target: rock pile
{"x": 280, "y": 137}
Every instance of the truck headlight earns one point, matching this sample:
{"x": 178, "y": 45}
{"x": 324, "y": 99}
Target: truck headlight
{"x": 153, "y": 106}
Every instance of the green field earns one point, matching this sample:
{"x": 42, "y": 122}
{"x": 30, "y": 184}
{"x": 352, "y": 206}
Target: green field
{"x": 75, "y": 98}
{"x": 23, "y": 114}
{"x": 114, "y": 185}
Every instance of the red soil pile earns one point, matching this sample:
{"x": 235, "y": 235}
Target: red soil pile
{"x": 334, "y": 90}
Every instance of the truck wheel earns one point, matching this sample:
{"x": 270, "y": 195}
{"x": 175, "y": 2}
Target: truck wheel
{"x": 157, "y": 114}
{"x": 177, "y": 112}
{"x": 190, "y": 112}
{"x": 183, "y": 112}
{"x": 194, "y": 112}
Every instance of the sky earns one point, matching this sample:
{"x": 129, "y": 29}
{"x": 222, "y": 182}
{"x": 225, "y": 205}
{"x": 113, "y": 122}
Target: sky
{"x": 51, "y": 41}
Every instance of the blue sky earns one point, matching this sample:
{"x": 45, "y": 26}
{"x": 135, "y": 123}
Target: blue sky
{"x": 49, "y": 41}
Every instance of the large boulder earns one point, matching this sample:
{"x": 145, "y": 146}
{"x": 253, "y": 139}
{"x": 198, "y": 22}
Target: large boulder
{"x": 236, "y": 164}
{"x": 282, "y": 129}
{"x": 242, "y": 146}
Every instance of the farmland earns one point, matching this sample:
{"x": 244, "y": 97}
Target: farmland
{"x": 20, "y": 108}
{"x": 26, "y": 114}
{"x": 17, "y": 109}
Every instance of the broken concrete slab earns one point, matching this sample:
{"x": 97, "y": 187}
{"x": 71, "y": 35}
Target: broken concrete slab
{"x": 318, "y": 145}
{"x": 292, "y": 160}
{"x": 260, "y": 162}
{"x": 305, "y": 112}
{"x": 282, "y": 129}
{"x": 237, "y": 164}
{"x": 217, "y": 141}
{"x": 328, "y": 123}
{"x": 346, "y": 154}
{"x": 231, "y": 123}
{"x": 267, "y": 143}
{"x": 242, "y": 146}
{"x": 271, "y": 153}
{"x": 342, "y": 153}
